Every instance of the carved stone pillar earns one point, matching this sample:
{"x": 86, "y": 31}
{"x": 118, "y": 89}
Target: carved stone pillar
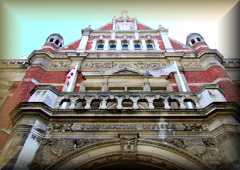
{"x": 150, "y": 101}
{"x": 88, "y": 102}
{"x": 180, "y": 100}
{"x": 119, "y": 102}
{"x": 72, "y": 104}
{"x": 103, "y": 104}
{"x": 135, "y": 100}
{"x": 166, "y": 104}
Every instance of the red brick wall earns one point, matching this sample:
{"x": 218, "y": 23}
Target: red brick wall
{"x": 206, "y": 76}
{"x": 17, "y": 95}
{"x": 231, "y": 90}
{"x": 20, "y": 92}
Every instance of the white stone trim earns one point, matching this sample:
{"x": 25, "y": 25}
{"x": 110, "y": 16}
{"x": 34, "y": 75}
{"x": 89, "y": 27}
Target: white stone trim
{"x": 166, "y": 41}
{"x": 83, "y": 43}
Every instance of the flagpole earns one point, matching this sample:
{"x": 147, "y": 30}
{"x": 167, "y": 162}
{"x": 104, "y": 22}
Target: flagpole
{"x": 182, "y": 84}
{"x": 72, "y": 84}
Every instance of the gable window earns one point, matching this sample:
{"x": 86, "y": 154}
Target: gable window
{"x": 100, "y": 45}
{"x": 124, "y": 44}
{"x": 112, "y": 45}
{"x": 149, "y": 44}
{"x": 137, "y": 45}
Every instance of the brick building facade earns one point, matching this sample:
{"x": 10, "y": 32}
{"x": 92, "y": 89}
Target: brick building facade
{"x": 98, "y": 103}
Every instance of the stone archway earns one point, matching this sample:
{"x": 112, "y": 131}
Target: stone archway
{"x": 144, "y": 155}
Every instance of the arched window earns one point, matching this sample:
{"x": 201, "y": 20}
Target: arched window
{"x": 57, "y": 42}
{"x": 100, "y": 45}
{"x": 149, "y": 44}
{"x": 124, "y": 44}
{"x": 193, "y": 41}
{"x": 137, "y": 45}
{"x": 112, "y": 45}
{"x": 51, "y": 40}
{"x": 198, "y": 39}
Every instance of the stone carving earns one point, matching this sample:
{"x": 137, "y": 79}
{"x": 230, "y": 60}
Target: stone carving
{"x": 169, "y": 128}
{"x": 128, "y": 142}
{"x": 53, "y": 148}
{"x": 204, "y": 148}
{"x": 139, "y": 126}
{"x": 102, "y": 66}
{"x": 57, "y": 127}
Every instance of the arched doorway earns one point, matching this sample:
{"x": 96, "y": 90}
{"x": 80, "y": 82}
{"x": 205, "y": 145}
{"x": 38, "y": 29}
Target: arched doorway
{"x": 145, "y": 155}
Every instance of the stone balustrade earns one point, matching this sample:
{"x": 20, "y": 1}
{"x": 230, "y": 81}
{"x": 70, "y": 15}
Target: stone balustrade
{"x": 125, "y": 100}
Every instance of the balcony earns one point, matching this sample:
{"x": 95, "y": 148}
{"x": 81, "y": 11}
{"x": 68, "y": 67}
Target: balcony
{"x": 141, "y": 100}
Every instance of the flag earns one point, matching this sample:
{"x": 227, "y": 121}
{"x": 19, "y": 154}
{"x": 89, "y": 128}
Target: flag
{"x": 71, "y": 78}
{"x": 162, "y": 71}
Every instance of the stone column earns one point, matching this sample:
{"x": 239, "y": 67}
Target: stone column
{"x": 144, "y": 47}
{"x": 156, "y": 44}
{"x": 131, "y": 45}
{"x": 135, "y": 100}
{"x": 105, "y": 45}
{"x": 94, "y": 45}
{"x": 165, "y": 38}
{"x": 88, "y": 102}
{"x": 119, "y": 102}
{"x": 150, "y": 101}
{"x": 118, "y": 45}
{"x": 103, "y": 104}
{"x": 84, "y": 40}
{"x": 31, "y": 143}
{"x": 166, "y": 104}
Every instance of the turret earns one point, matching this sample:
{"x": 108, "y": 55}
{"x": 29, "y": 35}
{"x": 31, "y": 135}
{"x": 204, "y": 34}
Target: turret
{"x": 53, "y": 42}
{"x": 196, "y": 41}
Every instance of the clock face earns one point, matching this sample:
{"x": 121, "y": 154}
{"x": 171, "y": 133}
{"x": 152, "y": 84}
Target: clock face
{"x": 125, "y": 26}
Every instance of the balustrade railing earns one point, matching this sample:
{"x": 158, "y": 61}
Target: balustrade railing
{"x": 125, "y": 100}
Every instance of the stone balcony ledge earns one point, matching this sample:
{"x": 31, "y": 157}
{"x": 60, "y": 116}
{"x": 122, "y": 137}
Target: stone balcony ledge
{"x": 125, "y": 100}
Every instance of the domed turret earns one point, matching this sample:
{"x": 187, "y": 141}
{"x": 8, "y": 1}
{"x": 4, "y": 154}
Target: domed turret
{"x": 53, "y": 42}
{"x": 196, "y": 41}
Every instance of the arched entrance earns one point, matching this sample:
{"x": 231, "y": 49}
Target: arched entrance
{"x": 112, "y": 156}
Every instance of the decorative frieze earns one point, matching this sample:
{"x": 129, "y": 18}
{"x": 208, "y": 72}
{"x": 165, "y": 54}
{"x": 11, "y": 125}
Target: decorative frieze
{"x": 161, "y": 126}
